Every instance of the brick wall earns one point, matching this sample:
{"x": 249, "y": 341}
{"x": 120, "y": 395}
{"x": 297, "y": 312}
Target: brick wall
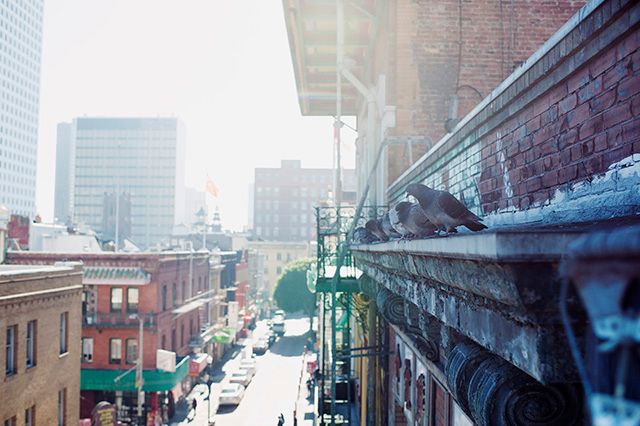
{"x": 469, "y": 45}
{"x": 559, "y": 133}
{"x": 39, "y": 385}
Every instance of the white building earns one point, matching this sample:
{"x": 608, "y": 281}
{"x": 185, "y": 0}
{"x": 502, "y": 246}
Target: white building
{"x": 20, "y": 46}
{"x": 142, "y": 158}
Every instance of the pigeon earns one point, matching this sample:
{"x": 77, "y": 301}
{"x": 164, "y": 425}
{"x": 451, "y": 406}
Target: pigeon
{"x": 362, "y": 235}
{"x": 388, "y": 229}
{"x": 443, "y": 209}
{"x": 373, "y": 226}
{"x": 410, "y": 221}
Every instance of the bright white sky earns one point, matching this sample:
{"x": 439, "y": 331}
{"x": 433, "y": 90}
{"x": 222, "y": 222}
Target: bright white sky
{"x": 222, "y": 66}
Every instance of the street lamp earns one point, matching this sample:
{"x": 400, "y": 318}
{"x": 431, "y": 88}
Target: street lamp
{"x": 139, "y": 379}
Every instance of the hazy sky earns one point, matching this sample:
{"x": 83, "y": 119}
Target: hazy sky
{"x": 222, "y": 66}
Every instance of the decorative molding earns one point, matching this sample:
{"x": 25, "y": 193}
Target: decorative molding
{"x": 495, "y": 393}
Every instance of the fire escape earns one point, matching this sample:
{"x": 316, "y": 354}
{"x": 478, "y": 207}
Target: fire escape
{"x": 336, "y": 283}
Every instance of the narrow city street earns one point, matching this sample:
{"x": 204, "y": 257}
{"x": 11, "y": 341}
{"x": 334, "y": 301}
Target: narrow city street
{"x": 274, "y": 388}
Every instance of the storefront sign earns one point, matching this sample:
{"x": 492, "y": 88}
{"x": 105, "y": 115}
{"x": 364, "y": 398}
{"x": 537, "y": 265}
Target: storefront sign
{"x": 166, "y": 361}
{"x": 104, "y": 414}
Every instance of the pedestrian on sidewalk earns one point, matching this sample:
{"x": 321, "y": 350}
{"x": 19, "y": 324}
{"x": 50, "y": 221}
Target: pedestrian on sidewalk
{"x": 280, "y": 420}
{"x": 194, "y": 405}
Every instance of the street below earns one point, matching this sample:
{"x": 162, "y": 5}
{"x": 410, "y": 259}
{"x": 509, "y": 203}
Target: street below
{"x": 274, "y": 388}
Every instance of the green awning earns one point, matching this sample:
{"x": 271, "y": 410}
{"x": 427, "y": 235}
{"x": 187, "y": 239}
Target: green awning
{"x": 223, "y": 336}
{"x": 154, "y": 380}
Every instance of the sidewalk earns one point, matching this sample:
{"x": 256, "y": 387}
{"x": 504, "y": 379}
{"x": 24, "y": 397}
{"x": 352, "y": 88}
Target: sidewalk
{"x": 305, "y": 405}
{"x": 184, "y": 415}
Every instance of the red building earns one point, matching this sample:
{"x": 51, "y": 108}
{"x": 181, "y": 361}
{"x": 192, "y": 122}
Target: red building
{"x": 167, "y": 292}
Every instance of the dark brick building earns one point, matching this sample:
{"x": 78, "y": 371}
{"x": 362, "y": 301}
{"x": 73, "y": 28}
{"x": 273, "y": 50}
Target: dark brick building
{"x": 544, "y": 147}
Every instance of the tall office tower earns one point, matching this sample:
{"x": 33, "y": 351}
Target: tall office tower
{"x": 64, "y": 174}
{"x": 20, "y": 45}
{"x": 285, "y": 197}
{"x": 142, "y": 158}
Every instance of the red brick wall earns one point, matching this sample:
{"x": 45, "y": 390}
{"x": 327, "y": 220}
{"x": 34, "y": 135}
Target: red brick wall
{"x": 557, "y": 128}
{"x": 496, "y": 37}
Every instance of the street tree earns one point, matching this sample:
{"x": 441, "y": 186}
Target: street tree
{"x": 291, "y": 293}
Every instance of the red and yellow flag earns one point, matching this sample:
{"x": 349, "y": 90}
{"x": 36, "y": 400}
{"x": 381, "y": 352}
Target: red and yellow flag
{"x": 211, "y": 188}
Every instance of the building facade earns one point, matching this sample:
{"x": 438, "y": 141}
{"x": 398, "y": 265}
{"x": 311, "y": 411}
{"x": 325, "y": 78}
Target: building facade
{"x": 141, "y": 159}
{"x": 275, "y": 256}
{"x": 284, "y": 199}
{"x": 474, "y": 328}
{"x": 40, "y": 319}
{"x": 62, "y": 206}
{"x": 21, "y": 35}
{"x": 168, "y": 293}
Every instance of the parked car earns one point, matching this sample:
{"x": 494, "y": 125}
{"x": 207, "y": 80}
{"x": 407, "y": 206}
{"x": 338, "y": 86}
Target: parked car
{"x": 231, "y": 394}
{"x": 241, "y": 376}
{"x": 261, "y": 345}
{"x": 249, "y": 365}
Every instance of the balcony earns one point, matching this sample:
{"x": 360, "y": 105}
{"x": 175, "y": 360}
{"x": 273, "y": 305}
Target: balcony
{"x": 118, "y": 319}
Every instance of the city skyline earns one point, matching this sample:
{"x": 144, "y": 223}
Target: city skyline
{"x": 206, "y": 87}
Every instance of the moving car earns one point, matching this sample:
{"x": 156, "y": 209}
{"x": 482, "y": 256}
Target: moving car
{"x": 231, "y": 394}
{"x": 241, "y": 376}
{"x": 278, "y": 326}
{"x": 261, "y": 345}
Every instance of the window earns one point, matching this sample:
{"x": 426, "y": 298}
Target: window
{"x": 132, "y": 298}
{"x": 11, "y": 350}
{"x": 132, "y": 351}
{"x": 30, "y": 416}
{"x": 31, "y": 343}
{"x": 115, "y": 351}
{"x": 64, "y": 332}
{"x": 62, "y": 407}
{"x": 13, "y": 421}
{"x": 164, "y": 297}
{"x": 87, "y": 349}
{"x": 279, "y": 256}
{"x": 116, "y": 299}
{"x": 278, "y": 270}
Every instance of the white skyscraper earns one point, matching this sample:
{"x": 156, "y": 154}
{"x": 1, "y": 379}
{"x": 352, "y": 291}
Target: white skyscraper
{"x": 20, "y": 46}
{"x": 142, "y": 159}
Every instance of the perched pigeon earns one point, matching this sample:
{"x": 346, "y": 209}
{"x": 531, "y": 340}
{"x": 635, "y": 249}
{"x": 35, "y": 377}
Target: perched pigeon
{"x": 410, "y": 221}
{"x": 388, "y": 229}
{"x": 362, "y": 235}
{"x": 373, "y": 226}
{"x": 443, "y": 209}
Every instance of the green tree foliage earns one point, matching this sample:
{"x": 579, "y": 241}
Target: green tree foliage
{"x": 291, "y": 293}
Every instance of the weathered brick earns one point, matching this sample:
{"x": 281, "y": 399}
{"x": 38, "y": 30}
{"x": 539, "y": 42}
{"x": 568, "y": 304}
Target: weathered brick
{"x": 635, "y": 106}
{"x": 590, "y": 127}
{"x": 590, "y": 90}
{"x": 550, "y": 179}
{"x": 576, "y": 153}
{"x": 565, "y": 157}
{"x": 567, "y": 138}
{"x": 593, "y": 165}
{"x": 578, "y": 115}
{"x": 568, "y": 103}
{"x": 629, "y": 87}
{"x": 602, "y": 62}
{"x": 525, "y": 144}
{"x": 617, "y": 154}
{"x": 549, "y": 116}
{"x": 600, "y": 142}
{"x": 534, "y": 184}
{"x": 614, "y": 136}
{"x": 616, "y": 114}
{"x": 578, "y": 79}
{"x": 631, "y": 131}
{"x": 604, "y": 101}
{"x": 617, "y": 73}
{"x": 567, "y": 174}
